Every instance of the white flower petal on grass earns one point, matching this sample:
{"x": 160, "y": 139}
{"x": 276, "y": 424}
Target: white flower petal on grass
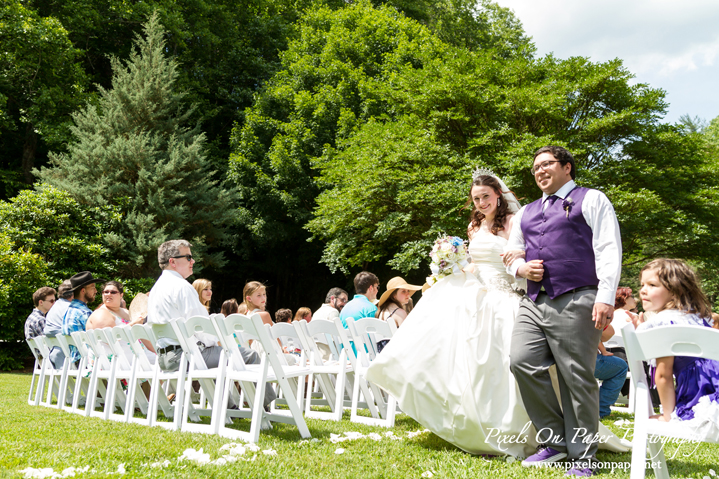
{"x": 374, "y": 436}
{"x": 198, "y": 456}
{"x": 712, "y": 473}
{"x": 314, "y": 439}
{"x": 339, "y": 450}
{"x": 510, "y": 459}
{"x": 354, "y": 435}
{"x": 335, "y": 438}
{"x": 417, "y": 433}
{"x": 121, "y": 468}
{"x": 269, "y": 452}
{"x": 252, "y": 447}
{"x": 427, "y": 474}
{"x": 303, "y": 442}
{"x": 229, "y": 458}
{"x": 164, "y": 463}
{"x": 219, "y": 461}
{"x": 31, "y": 472}
{"x": 69, "y": 472}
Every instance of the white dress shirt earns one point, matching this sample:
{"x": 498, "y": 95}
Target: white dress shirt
{"x": 599, "y": 214}
{"x": 173, "y": 297}
{"x": 326, "y": 312}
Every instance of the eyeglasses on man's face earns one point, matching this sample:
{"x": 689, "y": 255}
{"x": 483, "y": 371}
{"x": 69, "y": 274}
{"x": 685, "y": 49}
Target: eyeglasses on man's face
{"x": 188, "y": 257}
{"x": 542, "y": 166}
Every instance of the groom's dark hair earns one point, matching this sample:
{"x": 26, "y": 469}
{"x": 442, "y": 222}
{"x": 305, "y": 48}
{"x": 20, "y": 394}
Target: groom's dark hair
{"x": 560, "y": 154}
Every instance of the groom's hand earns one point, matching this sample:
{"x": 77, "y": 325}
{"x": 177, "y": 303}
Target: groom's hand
{"x": 532, "y": 270}
{"x": 602, "y": 315}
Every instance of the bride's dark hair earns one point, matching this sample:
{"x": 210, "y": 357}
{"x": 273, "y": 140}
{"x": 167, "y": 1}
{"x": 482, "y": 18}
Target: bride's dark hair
{"x": 476, "y": 217}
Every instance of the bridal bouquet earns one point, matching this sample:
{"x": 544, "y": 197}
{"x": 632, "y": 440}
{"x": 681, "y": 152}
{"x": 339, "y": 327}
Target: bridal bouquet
{"x": 449, "y": 256}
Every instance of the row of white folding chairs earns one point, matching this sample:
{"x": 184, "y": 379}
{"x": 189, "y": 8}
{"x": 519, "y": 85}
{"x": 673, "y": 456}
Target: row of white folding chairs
{"x": 341, "y": 372}
{"x": 340, "y": 380}
{"x": 216, "y": 384}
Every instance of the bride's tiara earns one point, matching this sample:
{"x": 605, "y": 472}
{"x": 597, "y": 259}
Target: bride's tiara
{"x": 482, "y": 172}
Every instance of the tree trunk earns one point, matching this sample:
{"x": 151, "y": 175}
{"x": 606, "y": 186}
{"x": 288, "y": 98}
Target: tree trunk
{"x": 28, "y": 153}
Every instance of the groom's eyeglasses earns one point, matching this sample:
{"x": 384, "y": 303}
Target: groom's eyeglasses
{"x": 542, "y": 166}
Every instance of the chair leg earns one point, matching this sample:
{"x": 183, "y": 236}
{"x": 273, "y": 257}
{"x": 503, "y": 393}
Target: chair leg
{"x": 258, "y": 410}
{"x": 656, "y": 456}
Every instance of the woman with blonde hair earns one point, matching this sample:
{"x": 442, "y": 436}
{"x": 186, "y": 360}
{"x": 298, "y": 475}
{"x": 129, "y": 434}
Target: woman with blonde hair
{"x": 303, "y": 313}
{"x": 204, "y": 291}
{"x": 255, "y": 297}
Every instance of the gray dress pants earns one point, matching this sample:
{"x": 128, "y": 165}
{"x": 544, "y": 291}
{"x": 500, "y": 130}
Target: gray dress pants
{"x": 170, "y": 361}
{"x": 559, "y": 331}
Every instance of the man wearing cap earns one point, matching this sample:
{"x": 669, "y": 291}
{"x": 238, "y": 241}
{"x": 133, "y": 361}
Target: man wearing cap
{"x": 53, "y": 320}
{"x": 83, "y": 287}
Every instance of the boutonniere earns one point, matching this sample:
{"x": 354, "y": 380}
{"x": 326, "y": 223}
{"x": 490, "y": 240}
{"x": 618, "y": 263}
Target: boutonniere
{"x": 567, "y": 205}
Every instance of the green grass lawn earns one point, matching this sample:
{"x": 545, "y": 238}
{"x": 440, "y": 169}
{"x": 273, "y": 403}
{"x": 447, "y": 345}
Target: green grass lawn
{"x": 39, "y": 437}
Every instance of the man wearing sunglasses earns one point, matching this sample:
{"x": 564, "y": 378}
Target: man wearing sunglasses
{"x": 43, "y": 298}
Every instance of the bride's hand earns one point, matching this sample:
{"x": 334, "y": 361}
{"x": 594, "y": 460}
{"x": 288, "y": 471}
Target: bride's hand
{"x": 469, "y": 268}
{"x": 508, "y": 257}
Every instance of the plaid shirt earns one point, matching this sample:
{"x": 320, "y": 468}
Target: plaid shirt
{"x": 74, "y": 320}
{"x": 34, "y": 324}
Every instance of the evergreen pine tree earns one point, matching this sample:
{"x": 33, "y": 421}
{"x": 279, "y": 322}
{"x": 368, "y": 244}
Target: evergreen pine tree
{"x": 133, "y": 149}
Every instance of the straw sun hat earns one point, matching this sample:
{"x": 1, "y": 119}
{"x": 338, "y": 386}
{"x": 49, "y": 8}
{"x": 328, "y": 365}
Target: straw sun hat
{"x": 396, "y": 283}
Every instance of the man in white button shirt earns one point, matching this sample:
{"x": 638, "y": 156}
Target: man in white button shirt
{"x": 573, "y": 251}
{"x": 173, "y": 297}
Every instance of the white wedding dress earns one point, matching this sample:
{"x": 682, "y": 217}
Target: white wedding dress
{"x": 448, "y": 364}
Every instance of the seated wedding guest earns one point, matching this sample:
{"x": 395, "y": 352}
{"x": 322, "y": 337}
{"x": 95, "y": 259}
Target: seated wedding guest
{"x": 173, "y": 297}
{"x": 612, "y": 371}
{"x": 53, "y": 320}
{"x": 229, "y": 307}
{"x": 303, "y": 313}
{"x": 362, "y": 305}
{"x": 715, "y": 318}
{"x": 204, "y": 291}
{"x": 409, "y": 306}
{"x": 334, "y": 302}
{"x": 255, "y": 296}
{"x": 75, "y": 319}
{"x": 242, "y": 308}
{"x": 111, "y": 313}
{"x": 283, "y": 316}
{"x": 391, "y": 303}
{"x": 43, "y": 299}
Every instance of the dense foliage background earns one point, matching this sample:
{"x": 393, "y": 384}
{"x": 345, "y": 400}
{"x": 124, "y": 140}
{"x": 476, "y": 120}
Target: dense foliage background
{"x": 297, "y": 142}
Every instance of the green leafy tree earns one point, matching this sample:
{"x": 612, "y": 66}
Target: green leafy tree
{"x": 68, "y": 236}
{"x": 45, "y": 237}
{"x": 41, "y": 82}
{"x": 134, "y": 150}
{"x": 483, "y": 110}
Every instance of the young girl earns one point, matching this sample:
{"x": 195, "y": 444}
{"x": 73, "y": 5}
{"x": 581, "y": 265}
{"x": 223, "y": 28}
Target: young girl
{"x": 204, "y": 291}
{"x": 671, "y": 289}
{"x": 255, "y": 296}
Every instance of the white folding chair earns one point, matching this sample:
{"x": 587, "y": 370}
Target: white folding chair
{"x": 360, "y": 388}
{"x": 75, "y": 374}
{"x": 211, "y": 379}
{"x": 104, "y": 369}
{"x": 324, "y": 372}
{"x": 89, "y": 369}
{"x": 367, "y": 332}
{"x": 57, "y": 377}
{"x": 659, "y": 342}
{"x": 287, "y": 334}
{"x": 271, "y": 368}
{"x": 128, "y": 367}
{"x": 38, "y": 372}
{"x": 158, "y": 394}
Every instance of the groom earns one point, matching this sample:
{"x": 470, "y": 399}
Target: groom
{"x": 573, "y": 263}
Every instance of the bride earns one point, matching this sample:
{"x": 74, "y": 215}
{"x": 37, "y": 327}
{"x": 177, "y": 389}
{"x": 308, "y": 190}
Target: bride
{"x": 448, "y": 366}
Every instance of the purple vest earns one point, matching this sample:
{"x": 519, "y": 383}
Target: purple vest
{"x": 562, "y": 238}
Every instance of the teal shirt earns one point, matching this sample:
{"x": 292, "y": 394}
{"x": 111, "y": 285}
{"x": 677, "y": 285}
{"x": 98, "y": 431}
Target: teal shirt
{"x": 360, "y": 307}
